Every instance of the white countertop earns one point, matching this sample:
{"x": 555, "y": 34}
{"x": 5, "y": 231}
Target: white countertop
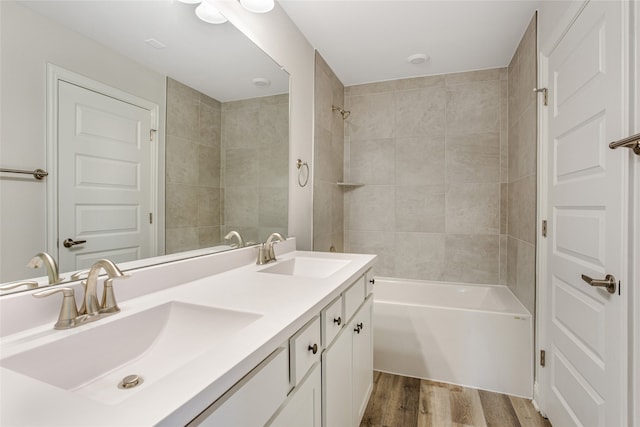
{"x": 286, "y": 303}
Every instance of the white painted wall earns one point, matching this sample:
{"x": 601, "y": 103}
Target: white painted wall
{"x": 28, "y": 42}
{"x": 277, "y": 35}
{"x": 634, "y": 264}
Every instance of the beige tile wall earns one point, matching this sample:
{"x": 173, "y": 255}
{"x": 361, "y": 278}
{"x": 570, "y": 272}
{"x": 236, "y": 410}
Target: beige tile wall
{"x": 521, "y": 187}
{"x": 226, "y": 168}
{"x": 254, "y": 166}
{"x": 431, "y": 152}
{"x": 192, "y": 169}
{"x": 328, "y": 198}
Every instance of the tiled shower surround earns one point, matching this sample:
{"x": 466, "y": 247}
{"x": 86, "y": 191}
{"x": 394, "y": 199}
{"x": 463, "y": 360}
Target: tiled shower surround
{"x": 448, "y": 164}
{"x": 328, "y": 198}
{"x": 226, "y": 168}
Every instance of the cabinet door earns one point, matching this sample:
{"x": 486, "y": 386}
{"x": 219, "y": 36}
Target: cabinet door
{"x": 362, "y": 359}
{"x": 303, "y": 408}
{"x": 336, "y": 382}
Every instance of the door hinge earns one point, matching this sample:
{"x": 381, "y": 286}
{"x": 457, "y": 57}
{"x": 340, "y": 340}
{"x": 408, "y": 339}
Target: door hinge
{"x": 544, "y": 228}
{"x": 542, "y": 357}
{"x": 150, "y": 218}
{"x": 545, "y": 91}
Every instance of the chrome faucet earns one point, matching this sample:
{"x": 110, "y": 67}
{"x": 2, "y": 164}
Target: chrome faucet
{"x": 266, "y": 253}
{"x": 238, "y": 237}
{"x": 70, "y": 316}
{"x": 50, "y": 263}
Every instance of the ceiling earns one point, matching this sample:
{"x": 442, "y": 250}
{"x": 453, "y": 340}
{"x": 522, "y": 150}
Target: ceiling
{"x": 217, "y": 60}
{"x": 367, "y": 41}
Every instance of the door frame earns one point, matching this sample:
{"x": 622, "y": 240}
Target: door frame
{"x": 54, "y": 75}
{"x": 631, "y": 347}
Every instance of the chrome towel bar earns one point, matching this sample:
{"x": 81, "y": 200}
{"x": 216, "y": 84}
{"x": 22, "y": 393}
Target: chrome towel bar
{"x": 632, "y": 142}
{"x": 37, "y": 174}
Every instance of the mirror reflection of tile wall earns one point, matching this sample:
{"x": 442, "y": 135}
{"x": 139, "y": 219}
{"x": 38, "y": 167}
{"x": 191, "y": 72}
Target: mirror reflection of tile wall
{"x": 226, "y": 168}
{"x": 193, "y": 202}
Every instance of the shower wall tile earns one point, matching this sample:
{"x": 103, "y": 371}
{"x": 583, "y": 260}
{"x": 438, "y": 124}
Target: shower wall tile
{"x": 420, "y": 112}
{"x": 375, "y": 118}
{"x": 473, "y": 208}
{"x": 449, "y": 134}
{"x": 272, "y": 201}
{"x": 181, "y": 205}
{"x": 208, "y": 207}
{"x": 241, "y": 167}
{"x": 373, "y": 161}
{"x": 472, "y": 258}
{"x": 241, "y": 207}
{"x": 420, "y": 161}
{"x": 193, "y": 201}
{"x": 473, "y": 107}
{"x": 379, "y": 243}
{"x": 503, "y": 259}
{"x": 522, "y": 170}
{"x": 273, "y": 167}
{"x": 182, "y": 158}
{"x": 522, "y": 209}
{"x": 420, "y": 255}
{"x": 491, "y": 74}
{"x": 329, "y": 155}
{"x": 420, "y": 208}
{"x": 504, "y": 208}
{"x": 473, "y": 158}
{"x": 372, "y": 208}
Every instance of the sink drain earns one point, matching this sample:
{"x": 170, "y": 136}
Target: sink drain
{"x": 130, "y": 381}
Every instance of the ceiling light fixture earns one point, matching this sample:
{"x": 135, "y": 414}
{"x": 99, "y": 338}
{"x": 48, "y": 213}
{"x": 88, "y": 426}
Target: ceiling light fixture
{"x": 258, "y": 6}
{"x": 210, "y": 14}
{"x": 418, "y": 58}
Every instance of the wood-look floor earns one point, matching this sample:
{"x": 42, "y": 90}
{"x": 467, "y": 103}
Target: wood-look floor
{"x": 398, "y": 401}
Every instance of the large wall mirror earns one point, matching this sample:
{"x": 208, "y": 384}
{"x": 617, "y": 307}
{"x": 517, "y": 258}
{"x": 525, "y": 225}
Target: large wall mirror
{"x": 213, "y": 106}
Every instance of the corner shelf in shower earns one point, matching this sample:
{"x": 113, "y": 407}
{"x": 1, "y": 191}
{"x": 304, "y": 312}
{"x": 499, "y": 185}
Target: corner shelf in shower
{"x": 350, "y": 184}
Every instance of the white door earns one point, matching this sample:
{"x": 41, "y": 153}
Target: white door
{"x": 104, "y": 178}
{"x": 585, "y": 326}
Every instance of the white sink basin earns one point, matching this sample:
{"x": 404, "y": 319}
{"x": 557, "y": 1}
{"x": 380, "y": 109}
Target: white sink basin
{"x": 150, "y": 344}
{"x": 307, "y": 267}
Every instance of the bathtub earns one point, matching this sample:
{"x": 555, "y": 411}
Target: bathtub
{"x": 476, "y": 336}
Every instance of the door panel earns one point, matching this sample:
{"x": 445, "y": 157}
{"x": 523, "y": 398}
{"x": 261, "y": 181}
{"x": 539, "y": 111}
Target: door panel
{"x": 104, "y": 195}
{"x": 585, "y": 377}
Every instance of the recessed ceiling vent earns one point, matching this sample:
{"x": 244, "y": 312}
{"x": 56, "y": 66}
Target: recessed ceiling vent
{"x": 418, "y": 58}
{"x": 261, "y": 82}
{"x": 156, "y": 44}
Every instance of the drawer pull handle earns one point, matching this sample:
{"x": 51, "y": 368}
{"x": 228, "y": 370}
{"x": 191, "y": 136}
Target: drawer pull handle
{"x": 313, "y": 348}
{"x": 338, "y": 320}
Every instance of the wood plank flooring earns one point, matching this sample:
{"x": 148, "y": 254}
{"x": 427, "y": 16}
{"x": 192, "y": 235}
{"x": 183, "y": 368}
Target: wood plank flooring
{"x": 398, "y": 401}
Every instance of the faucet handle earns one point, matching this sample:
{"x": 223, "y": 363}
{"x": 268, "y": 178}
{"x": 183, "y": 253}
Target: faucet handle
{"x": 30, "y": 284}
{"x": 109, "y": 303}
{"x": 68, "y": 311}
{"x": 82, "y": 274}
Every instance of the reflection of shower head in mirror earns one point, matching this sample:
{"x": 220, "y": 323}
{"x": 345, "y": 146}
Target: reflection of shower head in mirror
{"x": 344, "y": 113}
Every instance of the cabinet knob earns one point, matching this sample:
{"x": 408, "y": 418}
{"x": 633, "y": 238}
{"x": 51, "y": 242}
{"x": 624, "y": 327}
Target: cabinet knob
{"x": 360, "y": 325}
{"x": 372, "y": 281}
{"x": 356, "y": 329}
{"x": 338, "y": 320}
{"x": 313, "y": 348}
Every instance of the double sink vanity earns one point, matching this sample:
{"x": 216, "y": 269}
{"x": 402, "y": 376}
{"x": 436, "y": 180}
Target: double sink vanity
{"x": 212, "y": 340}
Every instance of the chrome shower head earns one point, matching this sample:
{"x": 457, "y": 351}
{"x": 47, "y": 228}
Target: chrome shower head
{"x": 344, "y": 113}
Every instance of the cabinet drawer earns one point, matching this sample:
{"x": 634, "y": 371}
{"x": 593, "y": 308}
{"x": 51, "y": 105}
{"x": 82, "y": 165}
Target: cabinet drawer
{"x": 353, "y": 297}
{"x": 301, "y": 350}
{"x": 265, "y": 388}
{"x": 332, "y": 320}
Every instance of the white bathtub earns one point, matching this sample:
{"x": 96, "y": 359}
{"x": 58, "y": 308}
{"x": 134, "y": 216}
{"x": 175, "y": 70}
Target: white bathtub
{"x": 477, "y": 336}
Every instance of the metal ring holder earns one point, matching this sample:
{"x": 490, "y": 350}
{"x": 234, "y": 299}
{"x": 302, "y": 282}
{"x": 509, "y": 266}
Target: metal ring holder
{"x": 299, "y": 165}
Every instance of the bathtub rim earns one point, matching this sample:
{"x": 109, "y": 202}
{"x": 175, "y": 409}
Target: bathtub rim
{"x": 524, "y": 313}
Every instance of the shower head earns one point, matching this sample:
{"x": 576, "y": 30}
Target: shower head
{"x": 344, "y": 113}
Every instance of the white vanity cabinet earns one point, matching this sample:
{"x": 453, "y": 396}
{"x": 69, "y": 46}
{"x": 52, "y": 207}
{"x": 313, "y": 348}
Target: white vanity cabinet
{"x": 347, "y": 363}
{"x": 303, "y": 406}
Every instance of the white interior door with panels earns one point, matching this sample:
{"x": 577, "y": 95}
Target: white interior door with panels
{"x": 584, "y": 326}
{"x": 106, "y": 178}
